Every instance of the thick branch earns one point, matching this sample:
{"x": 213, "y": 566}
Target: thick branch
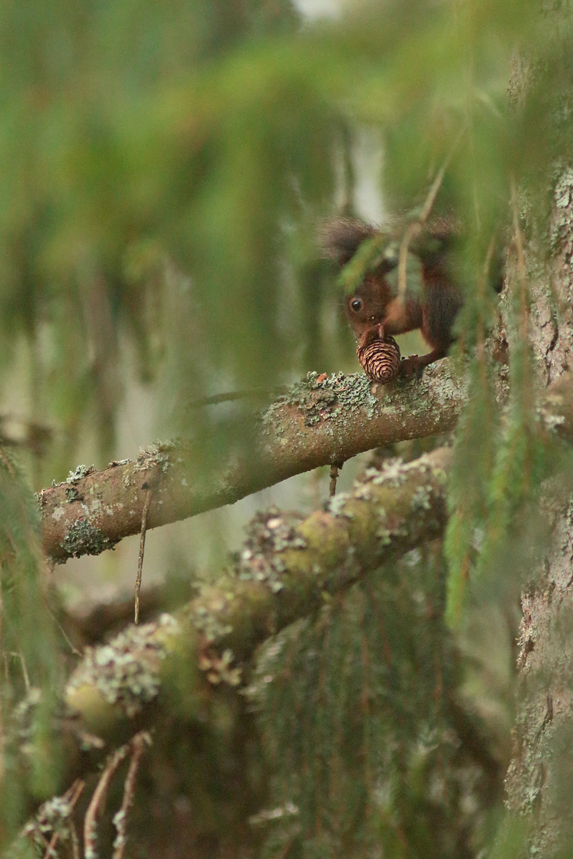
{"x": 282, "y": 575}
{"x": 317, "y": 423}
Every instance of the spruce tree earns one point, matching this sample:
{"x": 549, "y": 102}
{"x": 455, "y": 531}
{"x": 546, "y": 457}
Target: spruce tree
{"x": 346, "y": 684}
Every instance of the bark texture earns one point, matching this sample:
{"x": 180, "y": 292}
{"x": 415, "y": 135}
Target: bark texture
{"x": 283, "y": 573}
{"x": 319, "y": 422}
{"x": 539, "y": 777}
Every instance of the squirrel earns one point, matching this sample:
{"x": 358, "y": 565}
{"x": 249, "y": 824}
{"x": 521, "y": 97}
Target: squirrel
{"x": 375, "y": 311}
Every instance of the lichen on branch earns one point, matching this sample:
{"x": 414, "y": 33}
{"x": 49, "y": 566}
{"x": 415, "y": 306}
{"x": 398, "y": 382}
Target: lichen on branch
{"x": 320, "y": 421}
{"x": 281, "y": 574}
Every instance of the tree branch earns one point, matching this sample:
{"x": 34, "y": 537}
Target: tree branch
{"x": 283, "y": 574}
{"x": 316, "y": 423}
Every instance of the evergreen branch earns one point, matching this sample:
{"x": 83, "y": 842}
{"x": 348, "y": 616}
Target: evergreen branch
{"x": 415, "y": 227}
{"x": 317, "y": 423}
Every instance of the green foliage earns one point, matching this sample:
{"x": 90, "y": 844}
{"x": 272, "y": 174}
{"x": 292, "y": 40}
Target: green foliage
{"x": 30, "y": 676}
{"x": 165, "y": 166}
{"x": 209, "y": 132}
{"x": 502, "y": 455}
{"x": 359, "y": 715}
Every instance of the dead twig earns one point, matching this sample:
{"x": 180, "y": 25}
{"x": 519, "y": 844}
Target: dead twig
{"x": 138, "y": 745}
{"x": 141, "y": 551}
{"x": 334, "y": 472}
{"x": 72, "y": 795}
{"x": 75, "y": 841}
{"x": 90, "y": 820}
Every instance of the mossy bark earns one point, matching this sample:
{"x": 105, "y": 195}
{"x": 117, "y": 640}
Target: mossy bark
{"x": 385, "y": 515}
{"x": 285, "y": 572}
{"x": 320, "y": 421}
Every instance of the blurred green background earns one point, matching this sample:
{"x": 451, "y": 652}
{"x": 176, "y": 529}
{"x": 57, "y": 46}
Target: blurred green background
{"x": 164, "y": 170}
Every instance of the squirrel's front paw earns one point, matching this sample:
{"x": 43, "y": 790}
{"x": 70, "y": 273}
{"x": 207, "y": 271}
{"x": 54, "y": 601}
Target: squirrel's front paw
{"x": 411, "y": 368}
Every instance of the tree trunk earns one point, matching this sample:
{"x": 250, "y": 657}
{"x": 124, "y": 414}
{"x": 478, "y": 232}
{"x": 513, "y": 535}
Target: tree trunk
{"x": 539, "y": 777}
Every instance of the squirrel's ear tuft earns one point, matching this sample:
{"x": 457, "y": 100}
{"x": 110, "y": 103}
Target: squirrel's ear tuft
{"x": 340, "y": 239}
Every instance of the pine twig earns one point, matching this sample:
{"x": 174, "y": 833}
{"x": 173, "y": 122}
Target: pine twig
{"x": 138, "y": 744}
{"x": 232, "y": 396}
{"x": 415, "y": 227}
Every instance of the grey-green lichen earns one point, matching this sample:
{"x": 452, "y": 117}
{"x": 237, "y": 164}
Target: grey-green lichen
{"x": 126, "y": 671}
{"x": 421, "y": 499}
{"x": 337, "y": 504}
{"x": 387, "y": 492}
{"x": 156, "y": 458}
{"x": 268, "y": 534}
{"x": 219, "y": 668}
{"x": 321, "y": 398}
{"x": 53, "y": 816}
{"x": 82, "y": 537}
{"x": 79, "y": 474}
{"x": 562, "y": 223}
{"x": 207, "y": 620}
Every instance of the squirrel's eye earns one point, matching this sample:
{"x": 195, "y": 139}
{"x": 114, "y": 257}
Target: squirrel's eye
{"x": 356, "y": 304}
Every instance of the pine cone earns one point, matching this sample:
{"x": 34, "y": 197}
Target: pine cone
{"x": 380, "y": 360}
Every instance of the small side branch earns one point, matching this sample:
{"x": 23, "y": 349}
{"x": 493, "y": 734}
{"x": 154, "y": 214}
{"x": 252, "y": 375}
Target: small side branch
{"x": 90, "y": 820}
{"x": 416, "y": 226}
{"x": 334, "y": 472}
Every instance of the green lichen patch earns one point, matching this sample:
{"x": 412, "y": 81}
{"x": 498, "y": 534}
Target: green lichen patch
{"x": 155, "y": 456}
{"x": 79, "y": 474}
{"x": 126, "y": 672}
{"x": 268, "y": 535}
{"x": 206, "y": 617}
{"x": 321, "y": 398}
{"x": 84, "y": 538}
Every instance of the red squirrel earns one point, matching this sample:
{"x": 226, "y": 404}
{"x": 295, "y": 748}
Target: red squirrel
{"x": 374, "y": 310}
